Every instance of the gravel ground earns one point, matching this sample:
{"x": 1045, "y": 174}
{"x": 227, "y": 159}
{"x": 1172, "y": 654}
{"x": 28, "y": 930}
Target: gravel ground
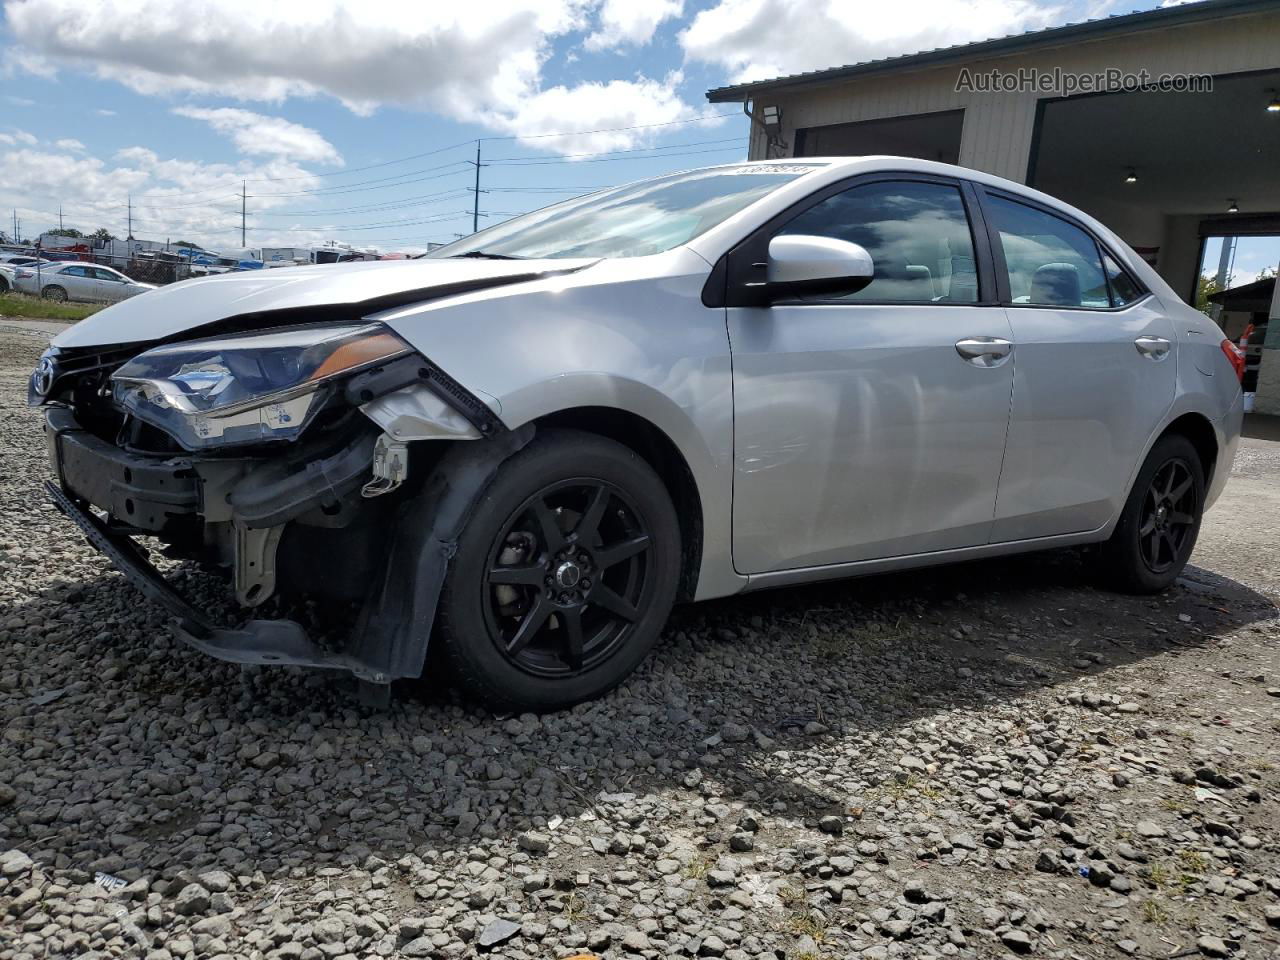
{"x": 966, "y": 762}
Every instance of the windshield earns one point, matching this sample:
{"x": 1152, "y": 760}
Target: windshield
{"x": 631, "y": 221}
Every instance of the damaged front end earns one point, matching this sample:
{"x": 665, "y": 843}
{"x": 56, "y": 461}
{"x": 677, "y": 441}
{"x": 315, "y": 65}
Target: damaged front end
{"x": 292, "y": 460}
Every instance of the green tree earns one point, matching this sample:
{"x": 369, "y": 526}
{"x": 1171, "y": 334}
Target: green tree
{"x": 67, "y": 232}
{"x": 1207, "y": 286}
{"x": 102, "y": 233}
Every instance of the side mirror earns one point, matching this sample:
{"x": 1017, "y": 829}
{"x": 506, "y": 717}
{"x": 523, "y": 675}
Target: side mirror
{"x": 803, "y": 265}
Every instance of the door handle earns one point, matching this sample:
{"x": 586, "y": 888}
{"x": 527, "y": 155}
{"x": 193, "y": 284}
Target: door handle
{"x": 984, "y": 351}
{"x": 1153, "y": 348}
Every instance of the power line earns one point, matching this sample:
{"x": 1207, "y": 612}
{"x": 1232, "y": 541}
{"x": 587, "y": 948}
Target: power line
{"x": 464, "y": 143}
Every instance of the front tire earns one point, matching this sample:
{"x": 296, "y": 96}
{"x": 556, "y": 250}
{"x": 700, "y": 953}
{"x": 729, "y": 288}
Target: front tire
{"x": 55, "y": 293}
{"x": 1160, "y": 521}
{"x": 564, "y": 574}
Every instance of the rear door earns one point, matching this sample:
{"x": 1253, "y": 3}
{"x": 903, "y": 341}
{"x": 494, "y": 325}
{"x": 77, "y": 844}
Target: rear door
{"x": 871, "y": 425}
{"x": 1097, "y": 372}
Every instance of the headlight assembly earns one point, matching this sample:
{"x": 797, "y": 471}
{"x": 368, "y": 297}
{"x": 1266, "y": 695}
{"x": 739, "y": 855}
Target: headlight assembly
{"x": 247, "y": 389}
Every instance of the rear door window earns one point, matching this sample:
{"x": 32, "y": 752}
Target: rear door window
{"x": 1050, "y": 262}
{"x": 1124, "y": 289}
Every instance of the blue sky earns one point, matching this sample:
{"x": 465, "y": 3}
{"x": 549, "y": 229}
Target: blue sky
{"x": 352, "y": 121}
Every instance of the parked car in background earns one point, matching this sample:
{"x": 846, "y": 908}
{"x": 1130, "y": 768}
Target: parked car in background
{"x": 9, "y": 269}
{"x": 526, "y": 446}
{"x": 82, "y": 282}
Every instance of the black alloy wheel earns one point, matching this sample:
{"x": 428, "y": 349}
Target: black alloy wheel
{"x": 563, "y": 576}
{"x": 1168, "y": 515}
{"x": 1159, "y": 522}
{"x": 566, "y": 577}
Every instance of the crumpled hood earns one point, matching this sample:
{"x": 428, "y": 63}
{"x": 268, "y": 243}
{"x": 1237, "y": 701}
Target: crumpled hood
{"x": 367, "y": 287}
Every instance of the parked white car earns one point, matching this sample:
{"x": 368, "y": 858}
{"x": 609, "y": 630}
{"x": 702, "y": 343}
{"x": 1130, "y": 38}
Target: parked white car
{"x": 10, "y": 264}
{"x": 84, "y": 282}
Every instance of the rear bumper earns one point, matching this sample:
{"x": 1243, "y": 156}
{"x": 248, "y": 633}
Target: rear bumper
{"x": 1228, "y": 430}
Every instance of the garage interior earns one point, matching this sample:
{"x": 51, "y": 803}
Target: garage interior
{"x": 1156, "y": 167}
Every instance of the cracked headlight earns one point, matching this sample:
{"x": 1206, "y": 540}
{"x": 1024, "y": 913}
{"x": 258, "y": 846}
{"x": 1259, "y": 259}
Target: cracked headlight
{"x": 247, "y": 389}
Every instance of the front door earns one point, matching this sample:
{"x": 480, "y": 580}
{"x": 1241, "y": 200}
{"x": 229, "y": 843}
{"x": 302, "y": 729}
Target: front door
{"x": 872, "y": 425}
{"x": 1097, "y": 372}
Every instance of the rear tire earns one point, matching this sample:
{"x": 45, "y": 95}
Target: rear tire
{"x": 564, "y": 575}
{"x": 55, "y": 293}
{"x": 1160, "y": 521}
{"x": 4, "y": 285}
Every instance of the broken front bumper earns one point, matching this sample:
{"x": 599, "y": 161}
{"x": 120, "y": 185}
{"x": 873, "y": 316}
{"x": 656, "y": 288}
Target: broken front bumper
{"x": 257, "y": 642}
{"x": 391, "y": 636}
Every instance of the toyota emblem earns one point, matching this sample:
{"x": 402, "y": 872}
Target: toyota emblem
{"x": 42, "y": 377}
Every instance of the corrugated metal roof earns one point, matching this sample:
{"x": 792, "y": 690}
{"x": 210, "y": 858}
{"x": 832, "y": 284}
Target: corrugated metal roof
{"x": 1013, "y": 43}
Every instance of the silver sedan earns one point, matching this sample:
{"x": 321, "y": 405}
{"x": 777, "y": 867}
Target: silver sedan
{"x": 525, "y": 447}
{"x": 81, "y": 282}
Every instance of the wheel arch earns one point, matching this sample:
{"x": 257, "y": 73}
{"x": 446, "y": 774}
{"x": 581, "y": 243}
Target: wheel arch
{"x": 1198, "y": 429}
{"x": 651, "y": 444}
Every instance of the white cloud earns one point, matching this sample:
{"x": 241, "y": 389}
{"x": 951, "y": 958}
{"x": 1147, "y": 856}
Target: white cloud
{"x": 480, "y": 61}
{"x": 103, "y": 112}
{"x": 631, "y": 22}
{"x": 70, "y": 143}
{"x": 759, "y": 39}
{"x": 19, "y": 101}
{"x": 19, "y": 136}
{"x": 258, "y": 135}
{"x": 172, "y": 198}
{"x": 606, "y": 108}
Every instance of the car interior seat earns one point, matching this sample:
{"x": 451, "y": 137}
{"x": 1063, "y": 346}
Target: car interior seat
{"x": 1056, "y": 284}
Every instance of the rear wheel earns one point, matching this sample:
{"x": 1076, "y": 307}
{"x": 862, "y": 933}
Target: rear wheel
{"x": 564, "y": 574}
{"x": 1160, "y": 522}
{"x": 53, "y": 292}
{"x": 4, "y": 284}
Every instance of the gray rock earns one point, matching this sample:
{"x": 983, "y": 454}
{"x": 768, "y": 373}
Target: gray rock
{"x": 534, "y": 842}
{"x": 832, "y": 825}
{"x": 741, "y": 842}
{"x": 191, "y": 900}
{"x": 1212, "y": 946}
{"x": 1017, "y": 940}
{"x": 14, "y": 863}
{"x": 496, "y": 932}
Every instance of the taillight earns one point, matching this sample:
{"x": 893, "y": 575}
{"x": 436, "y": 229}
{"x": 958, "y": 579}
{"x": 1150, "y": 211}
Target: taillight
{"x": 1236, "y": 357}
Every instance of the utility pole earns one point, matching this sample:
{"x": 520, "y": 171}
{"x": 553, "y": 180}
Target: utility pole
{"x": 243, "y": 185}
{"x": 129, "y": 232}
{"x": 59, "y": 217}
{"x": 1223, "y": 279}
{"x": 475, "y": 207}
